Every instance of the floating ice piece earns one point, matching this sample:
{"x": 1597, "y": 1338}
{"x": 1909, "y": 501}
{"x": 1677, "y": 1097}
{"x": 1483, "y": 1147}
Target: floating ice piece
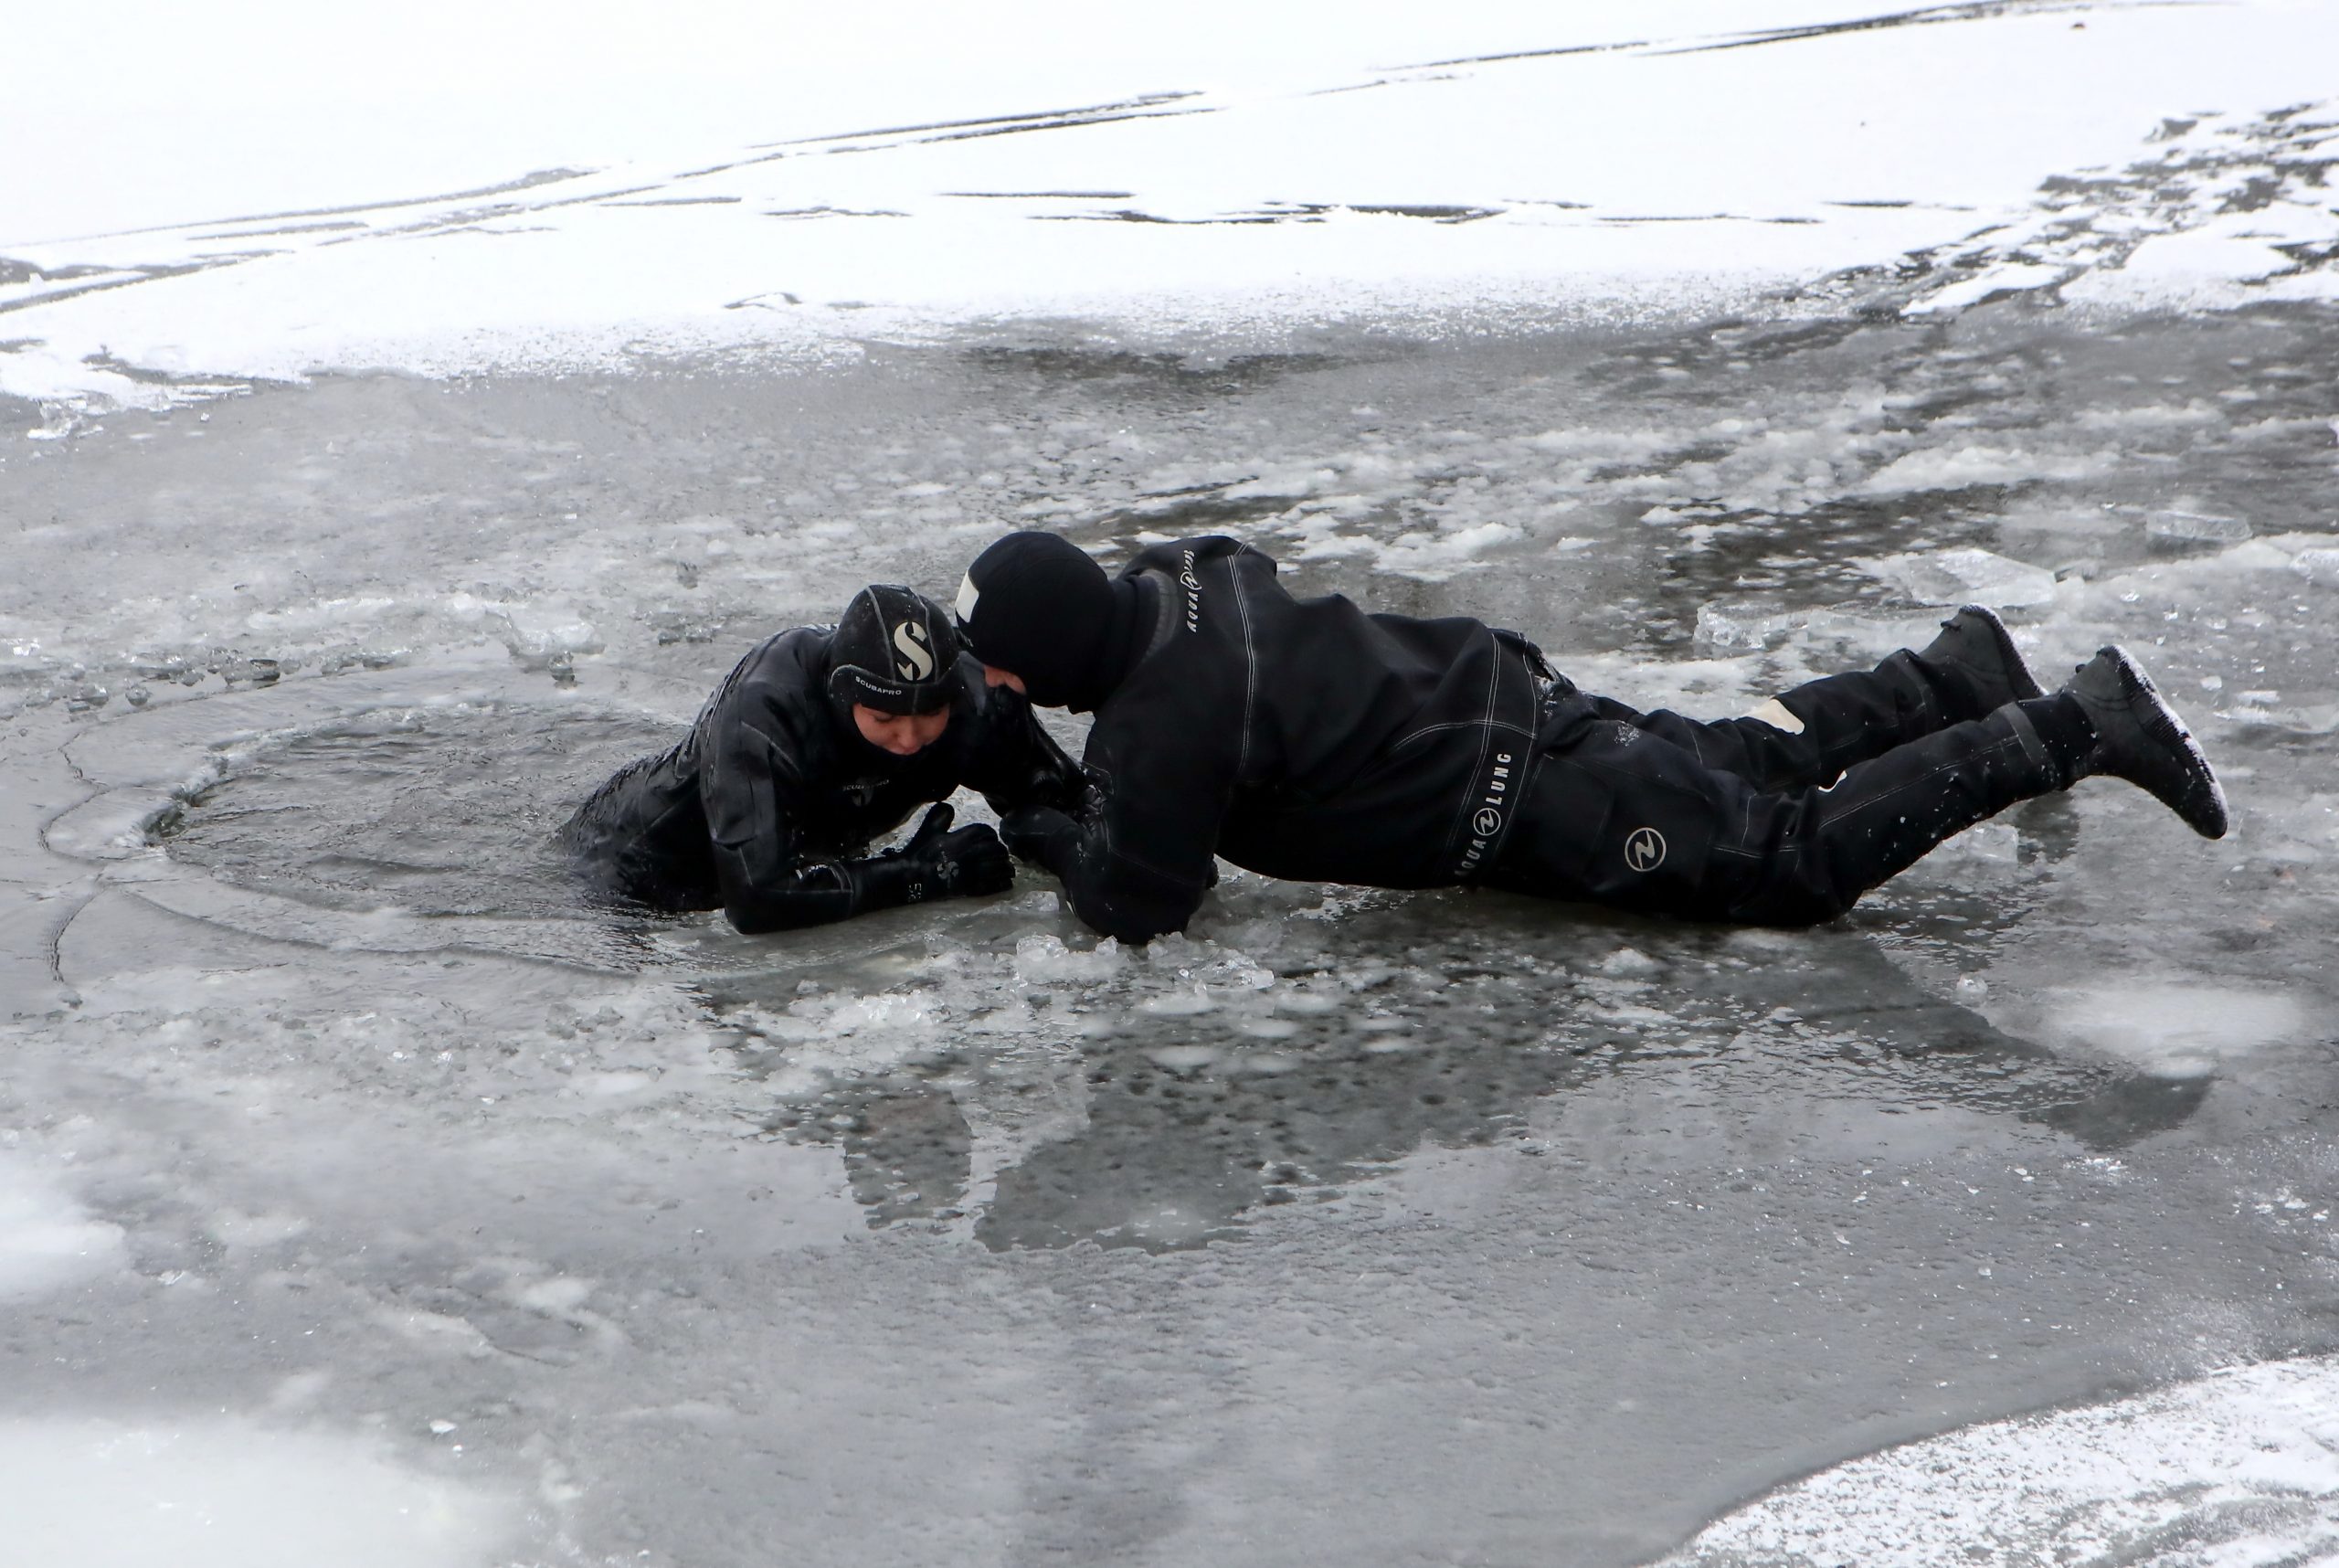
{"x": 1970, "y": 577}
{"x": 1042, "y": 959}
{"x": 2317, "y": 566}
{"x": 538, "y": 639}
{"x": 2196, "y": 527}
{"x": 1958, "y": 468}
{"x": 1631, "y": 962}
{"x": 889, "y": 1014}
{"x": 2242, "y": 1468}
{"x": 1434, "y": 556}
{"x": 1740, "y": 624}
{"x": 1178, "y": 1003}
{"x": 2299, "y": 718}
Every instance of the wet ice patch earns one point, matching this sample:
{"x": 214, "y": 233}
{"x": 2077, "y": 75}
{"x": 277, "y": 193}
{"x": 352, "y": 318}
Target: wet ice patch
{"x": 2174, "y": 1030}
{"x": 226, "y": 1493}
{"x": 2239, "y": 1469}
{"x": 47, "y": 1243}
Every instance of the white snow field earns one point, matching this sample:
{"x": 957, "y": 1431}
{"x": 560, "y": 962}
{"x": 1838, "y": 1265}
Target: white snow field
{"x": 522, "y": 189}
{"x": 406, "y": 419}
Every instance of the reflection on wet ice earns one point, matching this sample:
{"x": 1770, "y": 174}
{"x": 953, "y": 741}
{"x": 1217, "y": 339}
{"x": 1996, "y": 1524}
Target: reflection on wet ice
{"x": 1038, "y": 1087}
{"x": 1130, "y": 1099}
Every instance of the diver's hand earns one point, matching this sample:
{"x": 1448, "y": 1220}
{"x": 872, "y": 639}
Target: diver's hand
{"x": 1042, "y": 835}
{"x": 943, "y": 862}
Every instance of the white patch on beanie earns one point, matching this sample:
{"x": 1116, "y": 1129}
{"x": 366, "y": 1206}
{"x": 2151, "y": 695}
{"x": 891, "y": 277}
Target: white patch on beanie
{"x": 969, "y": 597}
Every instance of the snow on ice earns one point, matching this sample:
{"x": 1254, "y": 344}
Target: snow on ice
{"x": 1409, "y": 168}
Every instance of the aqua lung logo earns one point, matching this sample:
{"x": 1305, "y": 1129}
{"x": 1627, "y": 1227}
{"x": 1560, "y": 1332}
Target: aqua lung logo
{"x": 916, "y": 661}
{"x": 1193, "y": 587}
{"x": 1485, "y": 823}
{"x": 1645, "y": 849}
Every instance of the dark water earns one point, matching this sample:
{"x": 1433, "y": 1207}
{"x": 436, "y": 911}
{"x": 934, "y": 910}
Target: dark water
{"x": 436, "y": 812}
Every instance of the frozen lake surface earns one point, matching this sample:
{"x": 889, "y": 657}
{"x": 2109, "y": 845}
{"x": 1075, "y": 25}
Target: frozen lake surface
{"x": 368, "y": 1197}
{"x": 1404, "y": 1227}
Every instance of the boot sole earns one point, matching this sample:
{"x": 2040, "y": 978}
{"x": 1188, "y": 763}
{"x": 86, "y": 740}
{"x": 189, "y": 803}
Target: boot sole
{"x": 2201, "y": 803}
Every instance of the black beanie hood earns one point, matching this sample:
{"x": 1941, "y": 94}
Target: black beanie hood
{"x": 894, "y": 650}
{"x": 1037, "y": 607}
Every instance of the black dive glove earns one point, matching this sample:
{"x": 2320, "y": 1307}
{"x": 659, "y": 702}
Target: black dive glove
{"x": 939, "y": 861}
{"x": 1042, "y": 835}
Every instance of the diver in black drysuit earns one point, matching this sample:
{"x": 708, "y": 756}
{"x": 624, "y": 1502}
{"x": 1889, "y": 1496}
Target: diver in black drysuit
{"x": 1308, "y": 739}
{"x": 766, "y": 809}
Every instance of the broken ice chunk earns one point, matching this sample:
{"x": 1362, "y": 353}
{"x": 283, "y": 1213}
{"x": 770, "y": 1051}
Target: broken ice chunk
{"x": 1041, "y": 959}
{"x": 1747, "y": 625}
{"x": 1970, "y": 577}
{"x": 541, "y": 640}
{"x": 2299, "y": 718}
{"x": 2318, "y": 565}
{"x": 2195, "y": 528}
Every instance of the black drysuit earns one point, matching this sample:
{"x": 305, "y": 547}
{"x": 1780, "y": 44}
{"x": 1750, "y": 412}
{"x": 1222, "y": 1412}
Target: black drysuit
{"x": 1308, "y": 739}
{"x": 766, "y": 807}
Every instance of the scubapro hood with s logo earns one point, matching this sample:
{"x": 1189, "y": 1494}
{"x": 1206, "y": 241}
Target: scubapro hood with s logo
{"x": 894, "y": 650}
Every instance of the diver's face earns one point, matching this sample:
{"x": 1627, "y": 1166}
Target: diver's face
{"x": 904, "y": 735}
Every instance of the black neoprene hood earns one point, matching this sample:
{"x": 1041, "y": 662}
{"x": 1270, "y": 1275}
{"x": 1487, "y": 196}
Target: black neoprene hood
{"x": 894, "y": 650}
{"x": 1037, "y": 605}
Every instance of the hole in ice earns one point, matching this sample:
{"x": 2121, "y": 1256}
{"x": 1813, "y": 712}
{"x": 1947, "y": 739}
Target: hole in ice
{"x": 438, "y": 811}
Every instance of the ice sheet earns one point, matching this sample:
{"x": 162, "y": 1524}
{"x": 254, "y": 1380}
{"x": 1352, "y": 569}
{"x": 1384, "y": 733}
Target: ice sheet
{"x": 343, "y": 1134}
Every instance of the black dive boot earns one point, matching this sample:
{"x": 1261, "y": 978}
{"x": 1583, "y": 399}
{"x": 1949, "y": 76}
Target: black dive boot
{"x": 2139, "y": 737}
{"x": 1976, "y": 666}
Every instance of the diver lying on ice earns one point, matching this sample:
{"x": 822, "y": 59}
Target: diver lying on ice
{"x": 1308, "y": 739}
{"x": 822, "y": 740}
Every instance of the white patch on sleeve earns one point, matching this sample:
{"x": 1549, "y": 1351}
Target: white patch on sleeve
{"x": 968, "y": 595}
{"x": 1774, "y": 713}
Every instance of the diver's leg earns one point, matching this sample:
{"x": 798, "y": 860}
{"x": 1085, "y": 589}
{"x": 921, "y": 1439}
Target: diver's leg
{"x": 642, "y": 835}
{"x": 1810, "y": 735}
{"x": 1641, "y": 823}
